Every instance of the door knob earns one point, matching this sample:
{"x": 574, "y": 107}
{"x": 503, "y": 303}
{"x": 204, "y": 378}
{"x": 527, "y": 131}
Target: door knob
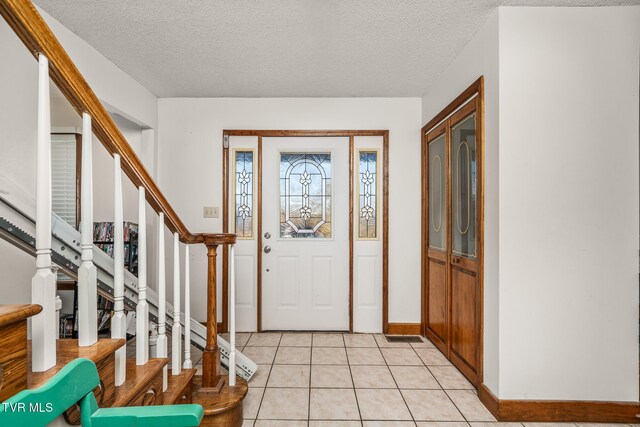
{"x": 267, "y": 235}
{"x": 267, "y": 249}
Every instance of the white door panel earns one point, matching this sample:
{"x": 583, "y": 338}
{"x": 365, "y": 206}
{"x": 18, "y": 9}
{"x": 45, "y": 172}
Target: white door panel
{"x": 305, "y": 210}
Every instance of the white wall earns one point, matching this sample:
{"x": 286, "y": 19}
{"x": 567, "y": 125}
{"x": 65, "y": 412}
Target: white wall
{"x": 190, "y": 162}
{"x": 103, "y": 177}
{"x": 18, "y": 113}
{"x": 569, "y": 203}
{"x": 112, "y": 85}
{"x": 479, "y": 58}
{"x": 63, "y": 116}
{"x": 17, "y": 269}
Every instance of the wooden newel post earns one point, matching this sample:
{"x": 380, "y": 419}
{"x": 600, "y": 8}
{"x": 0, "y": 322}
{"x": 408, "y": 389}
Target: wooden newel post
{"x": 211, "y": 355}
{"x": 211, "y": 380}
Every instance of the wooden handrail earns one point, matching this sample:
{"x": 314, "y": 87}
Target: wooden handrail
{"x": 34, "y": 32}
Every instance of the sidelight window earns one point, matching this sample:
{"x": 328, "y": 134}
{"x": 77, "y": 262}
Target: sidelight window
{"x": 368, "y": 195}
{"x": 244, "y": 194}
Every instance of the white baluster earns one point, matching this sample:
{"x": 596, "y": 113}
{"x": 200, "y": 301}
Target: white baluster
{"x": 176, "y": 331}
{"x": 153, "y": 340}
{"x": 232, "y": 316}
{"x": 161, "y": 342}
{"x": 58, "y": 309}
{"x": 142, "y": 309}
{"x": 119, "y": 320}
{"x": 43, "y": 284}
{"x": 187, "y": 312}
{"x": 87, "y": 272}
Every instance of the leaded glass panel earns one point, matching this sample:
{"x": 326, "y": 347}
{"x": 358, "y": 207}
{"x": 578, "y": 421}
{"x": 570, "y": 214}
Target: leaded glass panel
{"x": 437, "y": 194}
{"x": 244, "y": 194}
{"x": 305, "y": 195}
{"x": 463, "y": 174}
{"x": 368, "y": 195}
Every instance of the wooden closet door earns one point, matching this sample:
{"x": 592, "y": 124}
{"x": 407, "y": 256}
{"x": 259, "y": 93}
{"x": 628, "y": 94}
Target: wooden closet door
{"x": 453, "y": 230}
{"x": 464, "y": 267}
{"x": 437, "y": 322}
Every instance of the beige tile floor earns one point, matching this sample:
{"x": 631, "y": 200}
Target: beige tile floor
{"x": 342, "y": 380}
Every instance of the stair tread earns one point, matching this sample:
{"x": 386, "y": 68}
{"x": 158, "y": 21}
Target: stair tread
{"x": 138, "y": 377}
{"x": 177, "y": 383}
{"x": 11, "y": 313}
{"x": 68, "y": 350}
{"x": 227, "y": 399}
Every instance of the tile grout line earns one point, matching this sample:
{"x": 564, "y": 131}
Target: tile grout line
{"x": 264, "y": 391}
{"x": 353, "y": 383}
{"x": 440, "y": 384}
{"x": 413, "y": 418}
{"x": 446, "y": 391}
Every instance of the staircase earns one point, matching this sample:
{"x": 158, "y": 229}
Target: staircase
{"x": 17, "y": 226}
{"x": 140, "y": 381}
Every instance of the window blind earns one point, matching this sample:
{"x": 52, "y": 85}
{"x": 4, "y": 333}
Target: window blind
{"x": 63, "y": 176}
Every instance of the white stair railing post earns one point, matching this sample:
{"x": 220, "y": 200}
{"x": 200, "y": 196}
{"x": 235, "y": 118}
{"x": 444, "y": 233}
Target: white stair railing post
{"x": 187, "y": 312}
{"x": 43, "y": 284}
{"x": 161, "y": 342}
{"x": 142, "y": 309}
{"x": 232, "y": 316}
{"x": 176, "y": 331}
{"x": 87, "y": 272}
{"x": 119, "y": 320}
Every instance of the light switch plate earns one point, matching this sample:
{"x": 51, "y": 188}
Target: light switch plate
{"x": 211, "y": 212}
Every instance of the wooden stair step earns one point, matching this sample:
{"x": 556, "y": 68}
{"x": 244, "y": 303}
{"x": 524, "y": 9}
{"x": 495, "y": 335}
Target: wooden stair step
{"x": 143, "y": 384}
{"x": 179, "y": 387}
{"x": 223, "y": 408}
{"x": 13, "y": 347}
{"x": 102, "y": 353}
{"x": 68, "y": 350}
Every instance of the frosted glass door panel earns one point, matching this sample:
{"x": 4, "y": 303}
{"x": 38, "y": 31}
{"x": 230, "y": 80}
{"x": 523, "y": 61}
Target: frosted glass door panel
{"x": 463, "y": 187}
{"x": 437, "y": 194}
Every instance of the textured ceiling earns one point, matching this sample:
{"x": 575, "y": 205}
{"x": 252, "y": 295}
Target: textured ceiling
{"x": 282, "y": 48}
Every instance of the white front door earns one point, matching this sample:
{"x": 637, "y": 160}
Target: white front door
{"x": 305, "y": 233}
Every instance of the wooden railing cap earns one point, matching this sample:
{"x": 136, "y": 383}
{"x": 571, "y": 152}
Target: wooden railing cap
{"x": 218, "y": 239}
{"x": 11, "y": 313}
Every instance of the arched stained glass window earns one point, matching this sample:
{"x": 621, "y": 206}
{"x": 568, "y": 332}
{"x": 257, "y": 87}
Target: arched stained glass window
{"x": 305, "y": 195}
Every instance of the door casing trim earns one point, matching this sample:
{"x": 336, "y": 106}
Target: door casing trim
{"x": 351, "y": 134}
